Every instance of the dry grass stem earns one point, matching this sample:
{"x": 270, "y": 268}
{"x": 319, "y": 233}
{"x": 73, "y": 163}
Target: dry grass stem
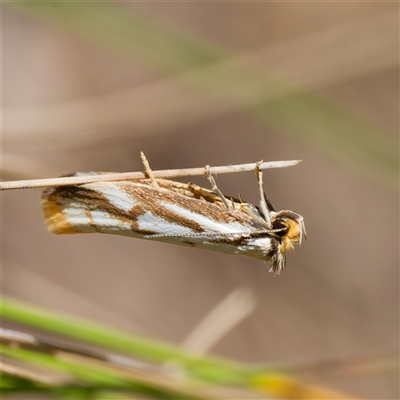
{"x": 171, "y": 173}
{"x": 233, "y": 309}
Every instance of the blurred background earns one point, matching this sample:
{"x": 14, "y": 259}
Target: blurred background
{"x": 87, "y": 86}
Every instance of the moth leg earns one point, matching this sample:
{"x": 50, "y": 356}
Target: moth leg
{"x": 148, "y": 170}
{"x": 201, "y": 193}
{"x": 215, "y": 188}
{"x": 265, "y": 204}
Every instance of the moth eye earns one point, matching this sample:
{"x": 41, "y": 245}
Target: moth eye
{"x": 280, "y": 226}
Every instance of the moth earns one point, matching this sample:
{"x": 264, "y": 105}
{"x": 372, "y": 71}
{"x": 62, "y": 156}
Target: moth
{"x": 177, "y": 213}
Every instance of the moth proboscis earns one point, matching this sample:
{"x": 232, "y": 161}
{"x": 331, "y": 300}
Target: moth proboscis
{"x": 175, "y": 213}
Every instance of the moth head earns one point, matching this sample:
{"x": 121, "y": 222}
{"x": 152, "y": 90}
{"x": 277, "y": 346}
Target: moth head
{"x": 290, "y": 228}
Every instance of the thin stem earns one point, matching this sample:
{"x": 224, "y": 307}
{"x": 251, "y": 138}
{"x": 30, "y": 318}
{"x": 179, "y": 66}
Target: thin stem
{"x": 169, "y": 173}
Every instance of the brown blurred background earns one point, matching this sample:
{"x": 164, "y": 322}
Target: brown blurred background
{"x": 192, "y": 84}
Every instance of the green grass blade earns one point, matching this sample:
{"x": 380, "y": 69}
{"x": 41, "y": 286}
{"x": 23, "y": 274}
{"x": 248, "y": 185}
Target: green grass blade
{"x": 207, "y": 368}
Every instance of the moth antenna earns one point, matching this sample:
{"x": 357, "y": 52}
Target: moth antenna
{"x": 148, "y": 171}
{"x": 189, "y": 235}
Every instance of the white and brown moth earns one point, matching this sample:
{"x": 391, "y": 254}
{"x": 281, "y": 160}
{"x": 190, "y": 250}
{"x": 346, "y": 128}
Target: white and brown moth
{"x": 176, "y": 213}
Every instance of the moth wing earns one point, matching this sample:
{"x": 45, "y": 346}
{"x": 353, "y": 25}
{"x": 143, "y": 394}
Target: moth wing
{"x": 135, "y": 208}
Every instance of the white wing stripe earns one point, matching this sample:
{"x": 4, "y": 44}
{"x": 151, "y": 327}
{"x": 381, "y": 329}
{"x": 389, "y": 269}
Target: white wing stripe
{"x": 116, "y": 196}
{"x": 208, "y": 224}
{"x": 150, "y": 222}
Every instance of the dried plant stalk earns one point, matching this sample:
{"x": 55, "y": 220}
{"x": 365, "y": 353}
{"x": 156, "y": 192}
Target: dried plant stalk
{"x": 169, "y": 173}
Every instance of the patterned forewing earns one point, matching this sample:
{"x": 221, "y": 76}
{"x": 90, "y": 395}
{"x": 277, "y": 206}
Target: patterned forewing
{"x": 135, "y": 208}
